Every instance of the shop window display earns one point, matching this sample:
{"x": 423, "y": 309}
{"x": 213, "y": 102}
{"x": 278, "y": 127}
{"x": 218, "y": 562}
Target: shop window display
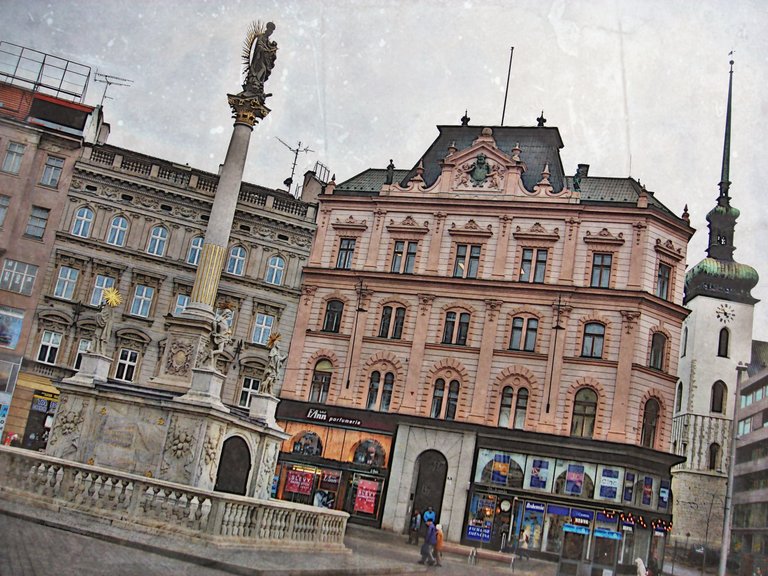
{"x": 308, "y": 443}
{"x": 370, "y": 453}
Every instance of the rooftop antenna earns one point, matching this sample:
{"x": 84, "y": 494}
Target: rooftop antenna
{"x": 289, "y": 181}
{"x": 109, "y": 81}
{"x": 506, "y": 92}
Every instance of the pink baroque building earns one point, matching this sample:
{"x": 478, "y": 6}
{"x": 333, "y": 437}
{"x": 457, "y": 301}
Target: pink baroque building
{"x": 487, "y": 337}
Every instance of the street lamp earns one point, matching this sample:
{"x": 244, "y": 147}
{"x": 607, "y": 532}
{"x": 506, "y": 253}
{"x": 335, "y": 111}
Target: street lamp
{"x": 726, "y": 543}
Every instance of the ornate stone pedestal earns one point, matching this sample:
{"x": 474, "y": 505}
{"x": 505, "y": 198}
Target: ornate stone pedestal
{"x": 206, "y": 389}
{"x": 263, "y": 408}
{"x": 94, "y": 368}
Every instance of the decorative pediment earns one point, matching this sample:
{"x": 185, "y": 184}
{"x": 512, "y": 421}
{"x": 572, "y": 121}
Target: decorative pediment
{"x": 126, "y": 336}
{"x": 668, "y": 249}
{"x": 605, "y": 236}
{"x": 53, "y": 319}
{"x": 350, "y": 224}
{"x": 64, "y": 258}
{"x": 471, "y": 228}
{"x": 536, "y": 232}
{"x": 407, "y": 226}
{"x": 479, "y": 172}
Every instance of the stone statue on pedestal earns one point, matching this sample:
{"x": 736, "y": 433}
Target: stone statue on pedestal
{"x": 274, "y": 368}
{"x": 259, "y": 55}
{"x": 105, "y": 320}
{"x": 221, "y": 335}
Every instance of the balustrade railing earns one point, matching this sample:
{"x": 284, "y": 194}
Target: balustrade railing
{"x": 154, "y": 504}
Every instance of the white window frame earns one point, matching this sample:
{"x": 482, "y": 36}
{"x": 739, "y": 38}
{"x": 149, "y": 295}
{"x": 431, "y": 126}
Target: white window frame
{"x": 236, "y": 261}
{"x": 275, "y": 271}
{"x": 141, "y": 305}
{"x": 52, "y": 170}
{"x": 127, "y": 365}
{"x": 13, "y": 156}
{"x": 18, "y": 277}
{"x": 262, "y": 328}
{"x": 100, "y": 284}
{"x": 118, "y": 229}
{"x": 66, "y": 283}
{"x": 81, "y": 225}
{"x": 50, "y": 343}
{"x": 182, "y": 301}
{"x": 38, "y": 220}
{"x": 84, "y": 345}
{"x": 195, "y": 249}
{"x": 249, "y": 388}
{"x": 158, "y": 239}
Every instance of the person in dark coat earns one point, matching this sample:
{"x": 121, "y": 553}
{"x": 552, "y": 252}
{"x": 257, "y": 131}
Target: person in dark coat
{"x": 428, "y": 548}
{"x": 414, "y": 527}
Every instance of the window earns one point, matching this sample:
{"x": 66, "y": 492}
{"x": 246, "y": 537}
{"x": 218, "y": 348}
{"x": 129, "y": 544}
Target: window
{"x": 321, "y": 381}
{"x": 81, "y": 226}
{"x": 118, "y": 229}
{"x": 182, "y": 301}
{"x": 193, "y": 256}
{"x": 5, "y": 201}
{"x": 373, "y": 390}
{"x": 662, "y": 281}
{"x": 333, "y": 311}
{"x": 453, "y": 400}
{"x": 157, "y": 240}
{"x": 388, "y": 328}
{"x": 126, "y": 365}
{"x": 262, "y": 328}
{"x": 521, "y": 408}
{"x": 101, "y": 283}
{"x": 584, "y": 410}
{"x": 658, "y": 345}
{"x": 713, "y": 462}
{"x": 12, "y": 160}
{"x": 386, "y": 391}
{"x": 37, "y": 222}
{"x": 718, "y": 397}
{"x": 236, "y": 261}
{"x": 249, "y": 389}
{"x": 523, "y": 334}
{"x": 142, "y": 300}
{"x": 723, "y": 343}
{"x": 18, "y": 277}
{"x": 679, "y": 397}
{"x": 404, "y": 257}
{"x": 437, "y": 398}
{"x": 49, "y": 347}
{"x": 52, "y": 171}
{"x": 534, "y": 265}
{"x": 601, "y": 270}
{"x": 594, "y": 335}
{"x": 745, "y": 426}
{"x": 456, "y": 332}
{"x": 505, "y": 407}
{"x": 684, "y": 345}
{"x": 445, "y": 410}
{"x": 275, "y": 269}
{"x": 346, "y": 251}
{"x": 66, "y": 282}
{"x": 467, "y": 261}
{"x": 83, "y": 346}
{"x": 650, "y": 421}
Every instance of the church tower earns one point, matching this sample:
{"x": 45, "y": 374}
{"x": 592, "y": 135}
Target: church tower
{"x": 717, "y": 335}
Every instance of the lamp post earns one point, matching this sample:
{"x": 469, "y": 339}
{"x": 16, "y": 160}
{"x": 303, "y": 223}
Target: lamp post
{"x": 726, "y": 541}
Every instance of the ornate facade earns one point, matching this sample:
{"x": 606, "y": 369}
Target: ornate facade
{"x": 487, "y": 337}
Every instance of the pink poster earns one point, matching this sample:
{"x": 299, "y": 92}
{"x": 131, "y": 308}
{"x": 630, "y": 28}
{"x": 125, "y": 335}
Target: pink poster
{"x": 365, "y": 501}
{"x": 300, "y": 482}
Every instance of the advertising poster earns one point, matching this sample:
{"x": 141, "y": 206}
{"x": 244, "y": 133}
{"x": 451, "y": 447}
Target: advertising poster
{"x": 3, "y": 417}
{"x": 299, "y": 482}
{"x": 629, "y": 483}
{"x": 533, "y": 523}
{"x": 647, "y": 491}
{"x": 539, "y": 474}
{"x": 574, "y": 479}
{"x": 11, "y": 320}
{"x": 330, "y": 480}
{"x": 365, "y": 499}
{"x": 500, "y": 469}
{"x": 664, "y": 494}
{"x": 609, "y": 483}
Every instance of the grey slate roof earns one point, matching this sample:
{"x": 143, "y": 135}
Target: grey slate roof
{"x": 596, "y": 190}
{"x": 370, "y": 180}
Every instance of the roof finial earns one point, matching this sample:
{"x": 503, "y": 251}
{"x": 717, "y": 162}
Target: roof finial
{"x": 725, "y": 183}
{"x": 465, "y": 119}
{"x": 540, "y": 121}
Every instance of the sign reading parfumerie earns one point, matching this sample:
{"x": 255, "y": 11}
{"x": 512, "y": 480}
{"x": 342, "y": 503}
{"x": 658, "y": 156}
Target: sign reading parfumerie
{"x": 322, "y": 416}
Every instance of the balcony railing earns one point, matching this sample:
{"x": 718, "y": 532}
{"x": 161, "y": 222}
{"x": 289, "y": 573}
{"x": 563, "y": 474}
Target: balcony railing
{"x": 151, "y": 505}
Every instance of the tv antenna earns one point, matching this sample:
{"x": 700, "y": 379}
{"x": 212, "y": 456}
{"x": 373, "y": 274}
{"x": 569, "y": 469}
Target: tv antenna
{"x": 296, "y": 151}
{"x": 109, "y": 81}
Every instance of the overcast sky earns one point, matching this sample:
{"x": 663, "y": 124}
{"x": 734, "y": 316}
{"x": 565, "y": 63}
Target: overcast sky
{"x": 635, "y": 87}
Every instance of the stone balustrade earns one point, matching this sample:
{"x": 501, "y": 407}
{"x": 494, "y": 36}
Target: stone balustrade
{"x": 155, "y": 506}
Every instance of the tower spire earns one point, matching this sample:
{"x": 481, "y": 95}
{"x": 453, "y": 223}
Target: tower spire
{"x": 725, "y": 183}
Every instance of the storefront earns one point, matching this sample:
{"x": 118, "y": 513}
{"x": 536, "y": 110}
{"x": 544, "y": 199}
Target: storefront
{"x": 335, "y": 458}
{"x": 547, "y": 497}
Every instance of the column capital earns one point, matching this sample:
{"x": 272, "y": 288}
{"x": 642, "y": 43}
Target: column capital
{"x": 246, "y": 110}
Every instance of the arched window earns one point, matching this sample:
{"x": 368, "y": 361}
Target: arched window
{"x": 679, "y": 397}
{"x": 370, "y": 453}
{"x": 392, "y": 327}
{"x": 333, "y": 311}
{"x": 236, "y": 261}
{"x": 195, "y": 247}
{"x": 373, "y": 390}
{"x": 650, "y": 420}
{"x": 157, "y": 241}
{"x": 658, "y": 344}
{"x": 505, "y": 408}
{"x": 275, "y": 269}
{"x": 386, "y": 392}
{"x": 714, "y": 456}
{"x": 437, "y": 398}
{"x": 81, "y": 226}
{"x": 723, "y": 342}
{"x": 453, "y": 400}
{"x": 684, "y": 345}
{"x": 520, "y": 408}
{"x": 307, "y": 443}
{"x": 584, "y": 411}
{"x": 321, "y": 381}
{"x": 118, "y": 229}
{"x": 718, "y": 397}
{"x": 594, "y": 335}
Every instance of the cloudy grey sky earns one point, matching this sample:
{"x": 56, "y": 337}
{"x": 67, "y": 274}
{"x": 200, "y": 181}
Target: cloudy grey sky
{"x": 635, "y": 87}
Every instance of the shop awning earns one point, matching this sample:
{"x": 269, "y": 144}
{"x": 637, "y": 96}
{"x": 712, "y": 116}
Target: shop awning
{"x": 35, "y": 382}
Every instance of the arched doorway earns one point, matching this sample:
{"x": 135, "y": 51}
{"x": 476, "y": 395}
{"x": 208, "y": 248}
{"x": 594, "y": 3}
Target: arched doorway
{"x": 430, "y": 471}
{"x": 234, "y": 467}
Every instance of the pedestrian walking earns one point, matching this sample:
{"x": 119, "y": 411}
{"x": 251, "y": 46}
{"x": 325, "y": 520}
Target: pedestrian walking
{"x": 439, "y": 545}
{"x": 522, "y": 545}
{"x": 428, "y": 548}
{"x": 414, "y": 527}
